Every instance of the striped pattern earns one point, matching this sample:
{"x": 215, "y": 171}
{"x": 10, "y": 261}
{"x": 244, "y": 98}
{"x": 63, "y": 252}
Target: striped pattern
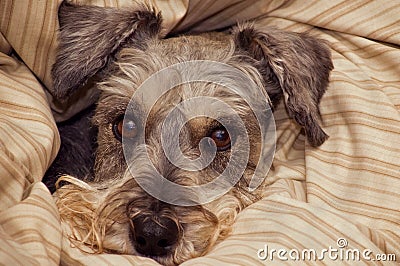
{"x": 349, "y": 187}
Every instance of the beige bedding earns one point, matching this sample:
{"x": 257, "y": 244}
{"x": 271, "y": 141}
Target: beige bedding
{"x": 348, "y": 188}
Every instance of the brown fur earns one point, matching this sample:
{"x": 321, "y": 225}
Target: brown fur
{"x": 102, "y": 213}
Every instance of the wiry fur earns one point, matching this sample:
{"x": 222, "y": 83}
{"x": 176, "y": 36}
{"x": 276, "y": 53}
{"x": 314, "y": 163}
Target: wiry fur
{"x": 100, "y": 212}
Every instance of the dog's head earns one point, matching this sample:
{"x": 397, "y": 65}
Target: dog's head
{"x": 124, "y": 50}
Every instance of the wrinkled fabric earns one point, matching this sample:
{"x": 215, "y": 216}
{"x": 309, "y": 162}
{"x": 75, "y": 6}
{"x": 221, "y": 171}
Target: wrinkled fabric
{"x": 349, "y": 188}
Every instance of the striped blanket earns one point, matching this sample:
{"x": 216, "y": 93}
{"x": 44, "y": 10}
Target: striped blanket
{"x": 336, "y": 203}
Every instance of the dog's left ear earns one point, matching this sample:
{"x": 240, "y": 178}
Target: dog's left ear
{"x": 295, "y": 66}
{"x": 90, "y": 37}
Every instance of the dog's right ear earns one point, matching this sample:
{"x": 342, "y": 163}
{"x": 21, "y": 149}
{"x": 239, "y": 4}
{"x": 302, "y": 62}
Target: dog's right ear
{"x": 90, "y": 36}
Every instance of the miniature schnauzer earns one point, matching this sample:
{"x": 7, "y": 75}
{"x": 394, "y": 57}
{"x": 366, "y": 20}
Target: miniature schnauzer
{"x": 102, "y": 198}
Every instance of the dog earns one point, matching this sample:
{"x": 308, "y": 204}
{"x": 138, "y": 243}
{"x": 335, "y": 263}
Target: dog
{"x": 101, "y": 200}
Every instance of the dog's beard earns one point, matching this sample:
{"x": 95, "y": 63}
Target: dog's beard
{"x": 97, "y": 217}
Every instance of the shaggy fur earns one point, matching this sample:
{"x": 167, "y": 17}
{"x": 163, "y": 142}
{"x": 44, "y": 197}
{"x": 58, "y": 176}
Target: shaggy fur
{"x": 108, "y": 211}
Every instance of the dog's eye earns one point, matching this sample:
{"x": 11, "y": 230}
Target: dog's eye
{"x": 221, "y": 138}
{"x": 126, "y": 130}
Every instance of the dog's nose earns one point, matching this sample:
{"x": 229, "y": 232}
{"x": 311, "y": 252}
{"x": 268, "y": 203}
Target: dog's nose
{"x": 154, "y": 237}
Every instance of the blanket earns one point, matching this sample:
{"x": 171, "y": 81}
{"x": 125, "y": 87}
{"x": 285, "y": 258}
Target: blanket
{"x": 339, "y": 202}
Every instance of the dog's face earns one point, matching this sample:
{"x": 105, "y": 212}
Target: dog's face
{"x": 115, "y": 213}
{"x": 166, "y": 232}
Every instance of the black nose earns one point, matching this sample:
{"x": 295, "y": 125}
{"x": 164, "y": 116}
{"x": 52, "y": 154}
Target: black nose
{"x": 154, "y": 237}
